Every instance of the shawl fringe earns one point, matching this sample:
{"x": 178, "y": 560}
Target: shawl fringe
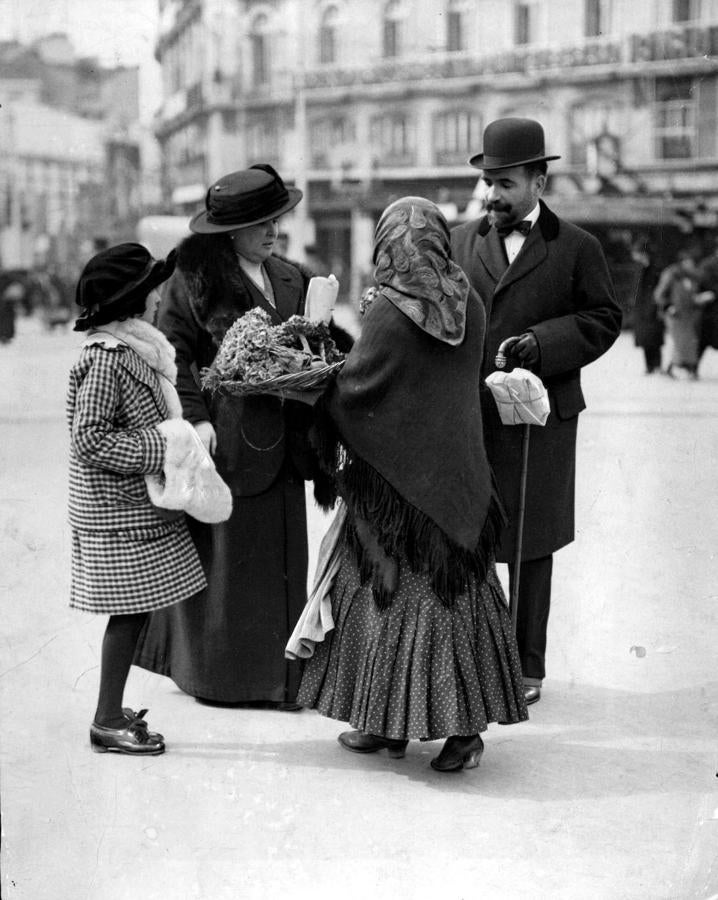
{"x": 403, "y": 530}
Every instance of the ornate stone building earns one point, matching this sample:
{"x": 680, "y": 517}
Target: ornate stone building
{"x": 69, "y": 154}
{"x": 358, "y": 101}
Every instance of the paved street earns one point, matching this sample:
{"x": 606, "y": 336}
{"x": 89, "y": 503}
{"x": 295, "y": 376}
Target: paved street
{"x": 609, "y": 791}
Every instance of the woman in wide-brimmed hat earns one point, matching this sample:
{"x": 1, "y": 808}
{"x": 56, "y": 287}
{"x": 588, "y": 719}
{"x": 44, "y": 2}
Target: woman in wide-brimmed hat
{"x": 128, "y": 557}
{"x": 230, "y": 647}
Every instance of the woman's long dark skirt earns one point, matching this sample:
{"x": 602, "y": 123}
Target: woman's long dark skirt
{"x": 227, "y": 643}
{"x": 416, "y": 670}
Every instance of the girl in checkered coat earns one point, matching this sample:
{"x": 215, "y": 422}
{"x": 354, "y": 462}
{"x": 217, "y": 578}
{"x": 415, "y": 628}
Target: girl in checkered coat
{"x": 128, "y": 557}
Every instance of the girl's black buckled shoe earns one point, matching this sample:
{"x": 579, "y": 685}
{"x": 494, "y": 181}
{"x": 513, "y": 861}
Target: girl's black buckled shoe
{"x": 131, "y": 714}
{"x": 134, "y": 739}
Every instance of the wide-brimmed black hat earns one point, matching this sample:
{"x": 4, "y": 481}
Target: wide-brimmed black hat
{"x": 248, "y": 197}
{"x": 115, "y": 279}
{"x": 511, "y": 142}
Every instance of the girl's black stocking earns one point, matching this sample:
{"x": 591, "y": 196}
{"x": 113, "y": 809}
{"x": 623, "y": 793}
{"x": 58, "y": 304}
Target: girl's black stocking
{"x": 118, "y": 649}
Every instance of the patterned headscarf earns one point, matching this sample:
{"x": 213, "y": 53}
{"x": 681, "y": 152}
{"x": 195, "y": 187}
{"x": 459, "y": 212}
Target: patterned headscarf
{"x": 414, "y": 269}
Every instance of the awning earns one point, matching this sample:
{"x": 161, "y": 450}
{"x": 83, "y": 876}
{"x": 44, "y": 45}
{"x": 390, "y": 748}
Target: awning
{"x": 618, "y": 211}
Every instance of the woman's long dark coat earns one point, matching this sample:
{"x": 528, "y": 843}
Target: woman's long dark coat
{"x": 559, "y": 288}
{"x": 227, "y": 643}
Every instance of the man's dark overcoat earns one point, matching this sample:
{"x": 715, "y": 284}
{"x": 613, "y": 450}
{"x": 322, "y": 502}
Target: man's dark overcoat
{"x": 559, "y": 288}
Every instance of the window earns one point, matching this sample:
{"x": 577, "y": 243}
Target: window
{"x": 457, "y": 134}
{"x": 455, "y": 26}
{"x": 393, "y": 28}
{"x": 686, "y": 10}
{"x": 525, "y": 22}
{"x": 674, "y": 118}
{"x": 263, "y": 141}
{"x": 393, "y": 137}
{"x": 589, "y": 123}
{"x": 328, "y": 36}
{"x": 328, "y": 137}
{"x": 598, "y": 17}
{"x": 259, "y": 41}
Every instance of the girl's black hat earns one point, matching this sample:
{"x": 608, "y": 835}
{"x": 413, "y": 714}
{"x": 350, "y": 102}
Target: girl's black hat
{"x": 115, "y": 279}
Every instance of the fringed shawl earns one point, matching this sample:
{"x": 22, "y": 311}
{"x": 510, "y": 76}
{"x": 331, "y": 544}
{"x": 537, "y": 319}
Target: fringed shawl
{"x": 407, "y": 413}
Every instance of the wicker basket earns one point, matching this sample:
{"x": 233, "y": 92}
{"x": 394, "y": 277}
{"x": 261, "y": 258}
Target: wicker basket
{"x": 306, "y": 385}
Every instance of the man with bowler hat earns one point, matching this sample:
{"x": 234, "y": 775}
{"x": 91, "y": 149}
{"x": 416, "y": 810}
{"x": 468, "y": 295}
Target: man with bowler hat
{"x": 545, "y": 284}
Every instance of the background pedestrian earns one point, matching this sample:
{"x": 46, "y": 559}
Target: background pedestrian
{"x": 648, "y": 327}
{"x": 708, "y": 284}
{"x": 676, "y": 296}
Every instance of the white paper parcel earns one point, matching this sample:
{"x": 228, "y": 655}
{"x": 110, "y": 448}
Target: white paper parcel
{"x": 520, "y": 396}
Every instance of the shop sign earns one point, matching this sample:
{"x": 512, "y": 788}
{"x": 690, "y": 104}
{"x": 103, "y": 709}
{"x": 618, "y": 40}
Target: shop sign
{"x": 524, "y": 61}
{"x": 677, "y": 43}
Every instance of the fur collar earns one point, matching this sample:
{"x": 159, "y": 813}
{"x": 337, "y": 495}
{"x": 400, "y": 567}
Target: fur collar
{"x": 147, "y": 341}
{"x": 210, "y": 276}
{"x": 151, "y": 346}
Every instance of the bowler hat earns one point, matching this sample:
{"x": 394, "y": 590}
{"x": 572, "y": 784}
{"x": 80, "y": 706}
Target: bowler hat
{"x": 248, "y": 197}
{"x": 511, "y": 142}
{"x": 115, "y": 280}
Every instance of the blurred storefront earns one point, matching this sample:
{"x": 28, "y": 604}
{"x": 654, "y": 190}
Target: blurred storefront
{"x": 70, "y": 156}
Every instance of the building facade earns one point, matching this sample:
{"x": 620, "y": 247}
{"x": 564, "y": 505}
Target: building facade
{"x": 69, "y": 155}
{"x": 360, "y": 101}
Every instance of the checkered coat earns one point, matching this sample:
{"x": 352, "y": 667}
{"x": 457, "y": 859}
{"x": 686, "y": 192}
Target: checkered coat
{"x": 127, "y": 557}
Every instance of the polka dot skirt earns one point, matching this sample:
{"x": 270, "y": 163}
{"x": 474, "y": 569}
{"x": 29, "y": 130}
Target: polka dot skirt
{"x": 416, "y": 669}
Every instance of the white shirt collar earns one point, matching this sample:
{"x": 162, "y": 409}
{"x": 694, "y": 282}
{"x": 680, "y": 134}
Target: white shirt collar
{"x": 514, "y": 242}
{"x": 258, "y": 275}
{"x": 534, "y": 215}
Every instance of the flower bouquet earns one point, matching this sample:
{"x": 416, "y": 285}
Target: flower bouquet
{"x": 293, "y": 360}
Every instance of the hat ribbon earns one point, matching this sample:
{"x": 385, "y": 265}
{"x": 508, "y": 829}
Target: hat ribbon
{"x": 223, "y": 209}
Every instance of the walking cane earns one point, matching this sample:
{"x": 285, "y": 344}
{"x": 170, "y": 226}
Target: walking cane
{"x": 514, "y": 599}
{"x": 530, "y": 410}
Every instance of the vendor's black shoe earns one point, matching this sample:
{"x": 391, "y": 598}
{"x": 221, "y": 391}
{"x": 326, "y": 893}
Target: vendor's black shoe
{"x": 134, "y": 739}
{"x": 289, "y": 706}
{"x": 359, "y": 742}
{"x": 459, "y": 753}
{"x": 224, "y": 704}
{"x": 532, "y": 694}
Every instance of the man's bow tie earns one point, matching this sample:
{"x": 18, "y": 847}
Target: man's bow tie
{"x": 522, "y": 227}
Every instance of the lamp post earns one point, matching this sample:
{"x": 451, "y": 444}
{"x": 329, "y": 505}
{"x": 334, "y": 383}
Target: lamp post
{"x": 12, "y": 243}
{"x": 302, "y": 225}
{"x": 301, "y": 217}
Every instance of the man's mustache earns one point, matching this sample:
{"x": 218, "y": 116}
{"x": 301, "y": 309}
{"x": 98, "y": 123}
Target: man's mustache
{"x": 497, "y": 207}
